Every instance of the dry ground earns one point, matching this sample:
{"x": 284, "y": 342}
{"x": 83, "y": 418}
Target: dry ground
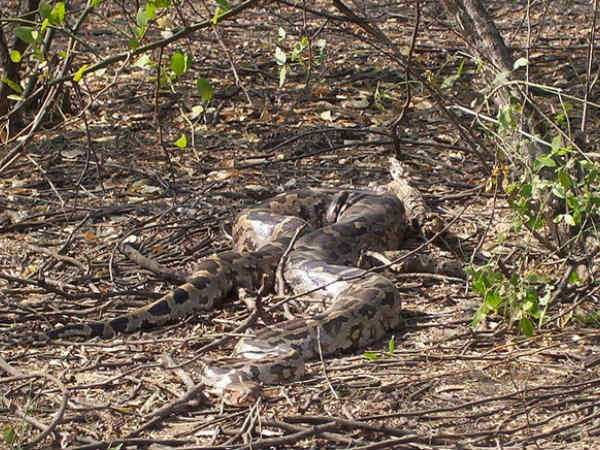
{"x": 101, "y": 178}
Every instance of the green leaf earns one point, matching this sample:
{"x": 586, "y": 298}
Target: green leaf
{"x": 575, "y": 202}
{"x": 569, "y": 220}
{"x": 543, "y": 161}
{"x": 526, "y": 326}
{"x": 95, "y": 3}
{"x": 472, "y": 271}
{"x": 536, "y": 222}
{"x": 15, "y": 56}
{"x": 9, "y": 435}
{"x": 526, "y": 190}
{"x": 141, "y": 18}
{"x": 478, "y": 287}
{"x": 79, "y": 73}
{"x": 594, "y": 200}
{"x": 178, "y": 63}
{"x": 531, "y": 303}
{"x": 534, "y": 278}
{"x": 144, "y": 61}
{"x": 218, "y": 13}
{"x": 564, "y": 179}
{"x": 224, "y": 5}
{"x": 150, "y": 11}
{"x": 493, "y": 301}
{"x": 577, "y": 218}
{"x": 45, "y": 10}
{"x": 204, "y": 88}
{"x": 480, "y": 314}
{"x": 507, "y": 120}
{"x": 392, "y": 345}
{"x": 515, "y": 279}
{"x": 181, "y": 142}
{"x": 26, "y": 34}
{"x": 515, "y": 103}
{"x": 57, "y": 16}
{"x": 449, "y": 81}
{"x": 296, "y": 52}
{"x": 133, "y": 43}
{"x": 14, "y": 86}
{"x": 160, "y": 3}
{"x": 559, "y": 191}
{"x": 197, "y": 110}
{"x": 370, "y": 355}
{"x": 511, "y": 188}
{"x": 556, "y": 144}
{"x": 280, "y": 56}
{"x": 574, "y": 278}
{"x": 461, "y": 68}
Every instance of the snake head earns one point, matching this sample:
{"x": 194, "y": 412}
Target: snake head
{"x": 228, "y": 380}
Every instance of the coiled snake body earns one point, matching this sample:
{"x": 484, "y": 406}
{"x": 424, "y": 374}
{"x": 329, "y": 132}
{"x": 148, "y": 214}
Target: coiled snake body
{"x": 339, "y": 224}
{"x": 361, "y": 310}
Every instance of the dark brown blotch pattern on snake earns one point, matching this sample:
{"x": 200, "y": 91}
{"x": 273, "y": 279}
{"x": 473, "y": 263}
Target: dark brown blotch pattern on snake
{"x": 359, "y": 311}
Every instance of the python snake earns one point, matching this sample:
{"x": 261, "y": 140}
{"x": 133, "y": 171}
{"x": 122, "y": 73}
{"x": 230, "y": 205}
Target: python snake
{"x": 339, "y": 224}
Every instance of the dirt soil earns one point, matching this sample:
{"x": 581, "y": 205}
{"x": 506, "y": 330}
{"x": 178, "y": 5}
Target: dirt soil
{"x": 109, "y": 175}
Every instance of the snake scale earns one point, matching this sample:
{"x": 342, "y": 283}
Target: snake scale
{"x": 338, "y": 225}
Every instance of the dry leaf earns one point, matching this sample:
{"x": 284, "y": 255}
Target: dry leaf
{"x": 326, "y": 115}
{"x": 222, "y": 175}
{"x": 89, "y": 236}
{"x": 421, "y": 103}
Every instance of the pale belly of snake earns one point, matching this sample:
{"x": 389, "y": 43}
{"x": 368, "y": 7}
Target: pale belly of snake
{"x": 340, "y": 224}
